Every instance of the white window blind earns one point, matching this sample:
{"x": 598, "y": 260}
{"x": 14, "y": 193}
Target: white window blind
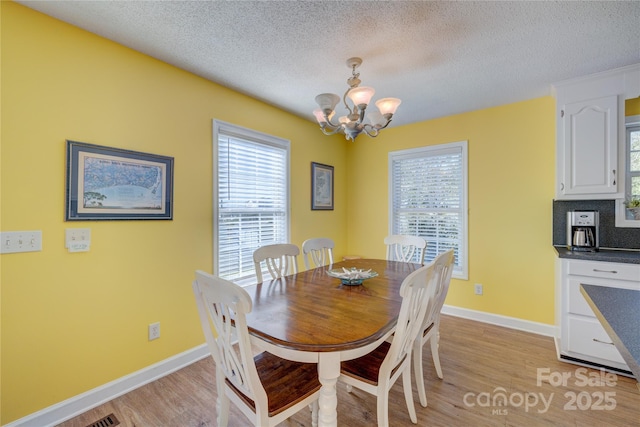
{"x": 251, "y": 209}
{"x": 428, "y": 192}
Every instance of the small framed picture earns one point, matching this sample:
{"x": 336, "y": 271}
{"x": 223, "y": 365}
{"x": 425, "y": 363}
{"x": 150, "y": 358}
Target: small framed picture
{"x": 321, "y": 187}
{"x": 106, "y": 183}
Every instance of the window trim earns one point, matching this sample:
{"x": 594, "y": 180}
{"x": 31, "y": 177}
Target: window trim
{"x": 221, "y": 127}
{"x": 621, "y": 215}
{"x": 462, "y": 272}
{"x": 632, "y": 124}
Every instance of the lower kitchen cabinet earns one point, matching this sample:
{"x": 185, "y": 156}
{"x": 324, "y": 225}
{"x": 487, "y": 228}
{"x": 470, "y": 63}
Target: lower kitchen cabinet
{"x": 582, "y": 339}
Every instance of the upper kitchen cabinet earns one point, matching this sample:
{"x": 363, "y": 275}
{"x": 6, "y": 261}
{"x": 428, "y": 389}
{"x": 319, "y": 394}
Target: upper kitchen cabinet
{"x": 590, "y": 148}
{"x": 590, "y": 154}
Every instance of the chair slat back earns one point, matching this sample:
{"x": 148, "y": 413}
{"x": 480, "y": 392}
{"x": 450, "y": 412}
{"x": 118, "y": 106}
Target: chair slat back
{"x": 281, "y": 259}
{"x": 417, "y": 291}
{"x": 405, "y": 248}
{"x": 320, "y": 250}
{"x": 443, "y": 269}
{"x": 222, "y": 308}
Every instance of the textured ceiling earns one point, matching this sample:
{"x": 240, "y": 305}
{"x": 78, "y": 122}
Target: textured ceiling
{"x": 439, "y": 57}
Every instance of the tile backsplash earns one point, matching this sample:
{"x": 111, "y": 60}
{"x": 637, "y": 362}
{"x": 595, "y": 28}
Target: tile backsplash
{"x": 610, "y": 235}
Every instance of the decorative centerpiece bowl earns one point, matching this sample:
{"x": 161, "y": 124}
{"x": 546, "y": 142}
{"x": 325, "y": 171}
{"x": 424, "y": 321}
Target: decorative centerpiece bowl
{"x": 352, "y": 276}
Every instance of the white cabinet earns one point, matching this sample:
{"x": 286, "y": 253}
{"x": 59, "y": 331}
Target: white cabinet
{"x": 582, "y": 339}
{"x": 590, "y": 154}
{"x": 590, "y": 145}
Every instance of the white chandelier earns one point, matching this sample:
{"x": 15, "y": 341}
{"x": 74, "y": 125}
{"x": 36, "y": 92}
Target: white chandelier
{"x": 353, "y": 124}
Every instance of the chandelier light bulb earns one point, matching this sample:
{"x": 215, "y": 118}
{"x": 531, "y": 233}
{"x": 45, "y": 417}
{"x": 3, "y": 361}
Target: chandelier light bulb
{"x": 319, "y": 116}
{"x": 327, "y": 102}
{"x": 361, "y": 96}
{"x": 388, "y": 105}
{"x": 376, "y": 118}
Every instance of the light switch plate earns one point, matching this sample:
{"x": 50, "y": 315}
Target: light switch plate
{"x": 20, "y": 241}
{"x": 78, "y": 239}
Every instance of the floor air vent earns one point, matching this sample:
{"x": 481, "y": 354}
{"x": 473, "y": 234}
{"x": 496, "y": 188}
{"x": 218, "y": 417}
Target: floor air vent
{"x": 108, "y": 421}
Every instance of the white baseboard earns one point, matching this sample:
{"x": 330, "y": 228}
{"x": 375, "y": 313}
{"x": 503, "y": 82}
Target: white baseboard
{"x": 499, "y": 320}
{"x": 81, "y": 403}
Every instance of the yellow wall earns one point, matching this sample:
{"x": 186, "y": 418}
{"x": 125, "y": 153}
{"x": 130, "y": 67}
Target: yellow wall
{"x": 632, "y": 107}
{"x": 511, "y": 182}
{"x": 0, "y": 219}
{"x": 72, "y": 322}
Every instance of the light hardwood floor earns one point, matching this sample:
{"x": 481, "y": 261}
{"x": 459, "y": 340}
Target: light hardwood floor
{"x": 480, "y": 362}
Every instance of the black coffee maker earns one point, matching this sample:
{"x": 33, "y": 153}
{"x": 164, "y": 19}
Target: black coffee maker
{"x": 582, "y": 231}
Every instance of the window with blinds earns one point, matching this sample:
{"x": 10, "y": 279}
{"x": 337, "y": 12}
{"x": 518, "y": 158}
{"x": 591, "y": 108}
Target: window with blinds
{"x": 251, "y": 197}
{"x": 428, "y": 198}
{"x": 633, "y": 161}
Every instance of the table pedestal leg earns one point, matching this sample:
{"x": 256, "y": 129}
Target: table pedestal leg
{"x": 328, "y": 373}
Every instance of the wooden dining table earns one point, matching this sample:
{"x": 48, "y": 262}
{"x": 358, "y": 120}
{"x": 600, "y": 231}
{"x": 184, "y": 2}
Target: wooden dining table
{"x": 312, "y": 317}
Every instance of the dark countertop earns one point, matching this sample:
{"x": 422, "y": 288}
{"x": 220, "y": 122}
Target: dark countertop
{"x": 607, "y": 255}
{"x": 618, "y": 310}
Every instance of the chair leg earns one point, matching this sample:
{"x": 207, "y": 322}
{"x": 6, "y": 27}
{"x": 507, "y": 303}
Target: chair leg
{"x": 222, "y": 402}
{"x": 408, "y": 394}
{"x": 223, "y": 410}
{"x": 383, "y": 407}
{"x": 314, "y": 414}
{"x": 435, "y": 338}
{"x": 417, "y": 369}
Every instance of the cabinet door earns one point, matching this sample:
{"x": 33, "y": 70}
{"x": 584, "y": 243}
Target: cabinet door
{"x": 590, "y": 147}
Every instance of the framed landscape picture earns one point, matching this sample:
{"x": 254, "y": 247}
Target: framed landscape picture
{"x": 106, "y": 183}
{"x": 321, "y": 187}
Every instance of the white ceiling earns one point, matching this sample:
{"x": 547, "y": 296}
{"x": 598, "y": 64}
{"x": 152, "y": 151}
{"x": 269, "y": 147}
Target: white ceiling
{"x": 439, "y": 57}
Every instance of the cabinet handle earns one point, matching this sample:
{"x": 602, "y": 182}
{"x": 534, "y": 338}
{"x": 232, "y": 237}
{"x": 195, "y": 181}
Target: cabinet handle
{"x": 562, "y": 186}
{"x": 602, "y": 342}
{"x": 614, "y": 177}
{"x": 605, "y": 271}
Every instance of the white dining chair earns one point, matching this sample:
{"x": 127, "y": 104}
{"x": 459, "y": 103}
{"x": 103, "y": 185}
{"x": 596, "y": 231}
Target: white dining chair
{"x": 405, "y": 248}
{"x": 320, "y": 250}
{"x": 266, "y": 388}
{"x": 443, "y": 268}
{"x": 281, "y": 259}
{"x": 377, "y": 371}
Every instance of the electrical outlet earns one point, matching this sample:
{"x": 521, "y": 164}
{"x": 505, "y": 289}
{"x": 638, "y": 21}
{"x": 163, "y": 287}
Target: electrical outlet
{"x": 20, "y": 241}
{"x": 154, "y": 331}
{"x": 478, "y": 288}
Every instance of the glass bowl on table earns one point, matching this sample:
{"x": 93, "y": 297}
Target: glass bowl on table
{"x": 352, "y": 276}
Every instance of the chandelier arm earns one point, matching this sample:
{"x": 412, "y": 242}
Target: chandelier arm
{"x": 361, "y": 118}
{"x": 331, "y": 125}
{"x": 370, "y": 130}
{"x": 344, "y": 100}
{"x": 332, "y": 130}
{"x": 385, "y": 125}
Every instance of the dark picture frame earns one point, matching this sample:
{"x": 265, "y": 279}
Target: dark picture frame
{"x": 105, "y": 183}
{"x": 321, "y": 187}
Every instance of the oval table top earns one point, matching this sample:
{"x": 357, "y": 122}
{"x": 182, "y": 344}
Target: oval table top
{"x": 312, "y": 311}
